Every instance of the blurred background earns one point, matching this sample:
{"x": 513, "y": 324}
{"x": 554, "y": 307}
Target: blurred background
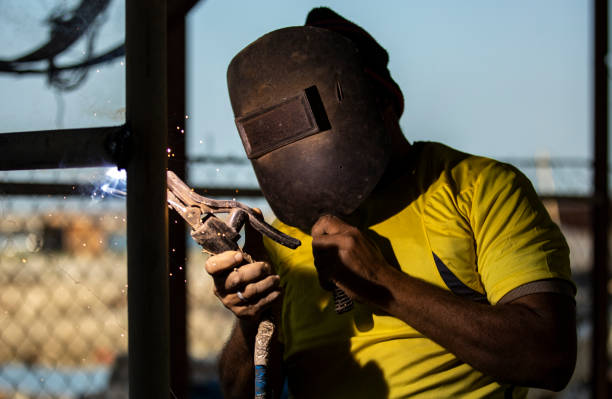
{"x": 510, "y": 79}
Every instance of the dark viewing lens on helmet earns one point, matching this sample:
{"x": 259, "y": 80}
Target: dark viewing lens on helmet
{"x": 292, "y": 119}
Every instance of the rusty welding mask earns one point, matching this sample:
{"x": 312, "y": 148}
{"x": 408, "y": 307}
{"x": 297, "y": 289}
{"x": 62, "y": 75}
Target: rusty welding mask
{"x": 310, "y": 122}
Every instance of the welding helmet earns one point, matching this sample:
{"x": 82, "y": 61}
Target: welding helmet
{"x": 309, "y": 116}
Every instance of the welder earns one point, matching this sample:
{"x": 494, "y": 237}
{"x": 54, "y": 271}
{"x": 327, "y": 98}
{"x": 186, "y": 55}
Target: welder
{"x": 460, "y": 280}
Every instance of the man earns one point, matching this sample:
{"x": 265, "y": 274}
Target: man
{"x": 460, "y": 280}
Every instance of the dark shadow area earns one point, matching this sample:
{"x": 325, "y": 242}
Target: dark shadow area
{"x": 401, "y": 184}
{"x": 337, "y": 372}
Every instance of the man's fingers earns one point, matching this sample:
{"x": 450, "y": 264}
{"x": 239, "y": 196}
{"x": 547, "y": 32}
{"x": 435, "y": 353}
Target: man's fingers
{"x": 245, "y": 289}
{"x": 253, "y": 293}
{"x": 247, "y": 274}
{"x": 223, "y": 262}
{"x": 327, "y": 241}
{"x": 328, "y": 224}
{"x": 252, "y": 309}
{"x": 325, "y": 249}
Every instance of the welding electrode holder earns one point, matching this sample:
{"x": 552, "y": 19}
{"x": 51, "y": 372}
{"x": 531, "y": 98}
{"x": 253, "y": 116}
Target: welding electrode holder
{"x": 226, "y": 238}
{"x": 216, "y": 236}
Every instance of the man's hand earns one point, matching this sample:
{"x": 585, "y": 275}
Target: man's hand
{"x": 256, "y": 282}
{"x": 344, "y": 256}
{"x": 247, "y": 289}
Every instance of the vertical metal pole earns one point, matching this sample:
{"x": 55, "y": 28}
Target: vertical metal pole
{"x": 179, "y": 365}
{"x": 146, "y": 202}
{"x": 601, "y": 203}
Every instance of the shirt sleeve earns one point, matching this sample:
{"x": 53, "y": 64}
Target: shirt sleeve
{"x": 516, "y": 240}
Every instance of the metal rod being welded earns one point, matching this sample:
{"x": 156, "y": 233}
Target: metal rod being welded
{"x": 67, "y": 148}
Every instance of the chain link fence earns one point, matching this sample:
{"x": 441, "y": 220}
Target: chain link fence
{"x": 63, "y": 299}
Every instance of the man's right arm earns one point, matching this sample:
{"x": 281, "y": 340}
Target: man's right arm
{"x": 236, "y": 362}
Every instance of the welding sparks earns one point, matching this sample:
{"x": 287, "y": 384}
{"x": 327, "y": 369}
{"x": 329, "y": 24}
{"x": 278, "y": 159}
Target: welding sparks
{"x": 114, "y": 184}
{"x": 113, "y": 191}
{"x": 116, "y": 174}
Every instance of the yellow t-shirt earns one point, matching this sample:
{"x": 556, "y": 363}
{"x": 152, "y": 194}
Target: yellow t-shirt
{"x": 468, "y": 224}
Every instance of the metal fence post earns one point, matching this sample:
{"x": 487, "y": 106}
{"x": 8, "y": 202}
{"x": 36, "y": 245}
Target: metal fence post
{"x": 601, "y": 203}
{"x": 179, "y": 360}
{"x": 147, "y": 214}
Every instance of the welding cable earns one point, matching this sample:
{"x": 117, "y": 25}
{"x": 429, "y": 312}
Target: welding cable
{"x": 263, "y": 348}
{"x": 263, "y": 341}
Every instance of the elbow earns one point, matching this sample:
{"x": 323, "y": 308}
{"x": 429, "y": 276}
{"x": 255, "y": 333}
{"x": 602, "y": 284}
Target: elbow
{"x": 550, "y": 346}
{"x": 542, "y": 371}
{"x": 557, "y": 380}
{"x": 547, "y": 363}
{"x": 557, "y": 368}
{"x": 561, "y": 374}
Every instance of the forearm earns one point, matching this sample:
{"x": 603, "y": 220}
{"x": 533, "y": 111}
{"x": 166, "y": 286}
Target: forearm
{"x": 236, "y": 367}
{"x": 513, "y": 342}
{"x": 236, "y": 362}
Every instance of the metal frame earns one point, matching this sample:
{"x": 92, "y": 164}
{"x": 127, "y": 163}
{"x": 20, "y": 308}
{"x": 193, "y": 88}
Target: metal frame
{"x": 179, "y": 360}
{"x": 147, "y": 212}
{"x": 69, "y": 148}
{"x": 148, "y": 299}
{"x": 155, "y": 77}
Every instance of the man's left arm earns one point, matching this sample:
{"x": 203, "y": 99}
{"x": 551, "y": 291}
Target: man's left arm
{"x": 530, "y": 341}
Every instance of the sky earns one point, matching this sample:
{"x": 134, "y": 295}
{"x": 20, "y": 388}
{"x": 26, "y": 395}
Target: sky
{"x": 27, "y": 102}
{"x": 509, "y": 78}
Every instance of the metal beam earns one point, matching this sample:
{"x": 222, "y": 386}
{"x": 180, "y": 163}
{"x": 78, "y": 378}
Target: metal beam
{"x": 46, "y": 189}
{"x": 147, "y": 215}
{"x": 69, "y": 148}
{"x": 600, "y": 273}
{"x": 179, "y": 364}
{"x": 178, "y": 9}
